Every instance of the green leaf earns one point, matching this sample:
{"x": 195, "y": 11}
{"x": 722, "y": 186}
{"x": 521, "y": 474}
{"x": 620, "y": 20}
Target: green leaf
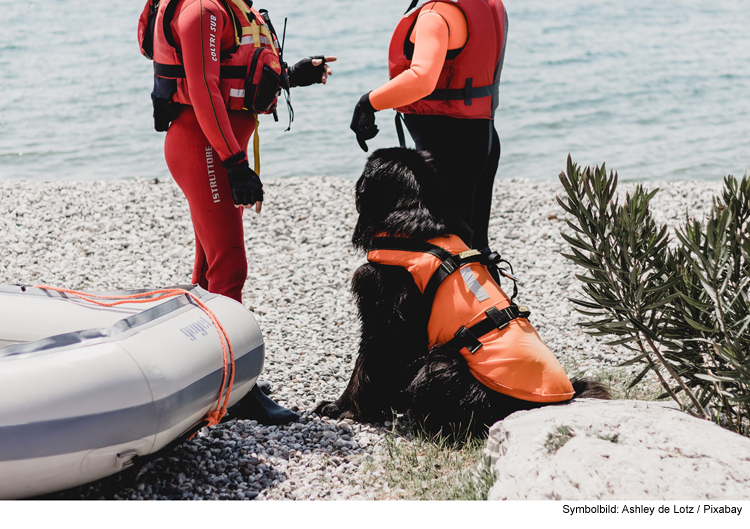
{"x": 695, "y": 325}
{"x": 640, "y": 376}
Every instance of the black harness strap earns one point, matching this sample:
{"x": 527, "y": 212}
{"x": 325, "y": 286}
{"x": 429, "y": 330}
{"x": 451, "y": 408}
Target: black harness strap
{"x": 449, "y": 265}
{"x": 496, "y": 319}
{"x": 400, "y": 130}
{"x": 177, "y": 71}
{"x": 467, "y": 93}
{"x": 449, "y": 262}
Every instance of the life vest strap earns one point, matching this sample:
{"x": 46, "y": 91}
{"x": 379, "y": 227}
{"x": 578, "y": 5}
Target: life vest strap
{"x": 449, "y": 262}
{"x": 177, "y": 71}
{"x": 449, "y": 265}
{"x": 467, "y": 93}
{"x": 496, "y": 319}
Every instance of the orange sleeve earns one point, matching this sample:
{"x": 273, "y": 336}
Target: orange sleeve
{"x": 430, "y": 47}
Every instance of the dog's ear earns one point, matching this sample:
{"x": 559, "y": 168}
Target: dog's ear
{"x": 388, "y": 186}
{"x": 388, "y": 181}
{"x": 399, "y": 192}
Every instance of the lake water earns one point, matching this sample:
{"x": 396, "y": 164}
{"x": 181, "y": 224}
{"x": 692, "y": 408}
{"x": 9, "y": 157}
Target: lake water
{"x": 658, "y": 90}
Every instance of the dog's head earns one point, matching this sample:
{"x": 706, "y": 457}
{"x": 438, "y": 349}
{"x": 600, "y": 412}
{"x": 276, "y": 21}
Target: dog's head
{"x": 399, "y": 194}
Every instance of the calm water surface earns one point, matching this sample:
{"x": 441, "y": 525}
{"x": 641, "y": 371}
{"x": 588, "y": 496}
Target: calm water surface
{"x": 658, "y": 90}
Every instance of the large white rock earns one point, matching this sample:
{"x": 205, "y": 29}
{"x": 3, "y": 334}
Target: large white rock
{"x": 620, "y": 450}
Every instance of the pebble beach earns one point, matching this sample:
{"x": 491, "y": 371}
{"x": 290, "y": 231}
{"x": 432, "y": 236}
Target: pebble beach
{"x": 126, "y": 234}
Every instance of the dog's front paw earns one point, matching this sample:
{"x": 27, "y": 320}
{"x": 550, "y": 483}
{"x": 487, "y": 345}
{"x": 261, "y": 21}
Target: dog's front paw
{"x": 331, "y": 409}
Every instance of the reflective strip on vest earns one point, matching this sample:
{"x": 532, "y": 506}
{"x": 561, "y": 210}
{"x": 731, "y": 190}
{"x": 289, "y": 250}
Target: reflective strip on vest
{"x": 235, "y": 92}
{"x": 471, "y": 282}
{"x": 248, "y": 39}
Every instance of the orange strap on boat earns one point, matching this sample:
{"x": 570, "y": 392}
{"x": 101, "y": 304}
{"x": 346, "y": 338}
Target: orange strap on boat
{"x": 221, "y": 407}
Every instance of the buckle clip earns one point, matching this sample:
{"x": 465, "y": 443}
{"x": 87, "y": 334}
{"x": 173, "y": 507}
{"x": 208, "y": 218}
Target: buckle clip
{"x": 449, "y": 267}
{"x": 500, "y": 317}
{"x": 470, "y": 341}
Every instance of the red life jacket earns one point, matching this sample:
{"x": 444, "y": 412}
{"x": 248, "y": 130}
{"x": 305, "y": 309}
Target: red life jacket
{"x": 469, "y": 83}
{"x": 245, "y": 69}
{"x": 503, "y": 350}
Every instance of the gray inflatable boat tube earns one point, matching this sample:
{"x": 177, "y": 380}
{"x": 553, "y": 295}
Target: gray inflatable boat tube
{"x": 85, "y": 389}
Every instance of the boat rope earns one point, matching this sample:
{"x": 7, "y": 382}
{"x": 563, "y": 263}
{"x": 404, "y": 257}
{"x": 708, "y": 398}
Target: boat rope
{"x": 213, "y": 417}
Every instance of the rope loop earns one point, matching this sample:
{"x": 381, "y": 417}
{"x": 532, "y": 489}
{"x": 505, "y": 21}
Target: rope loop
{"x": 215, "y": 416}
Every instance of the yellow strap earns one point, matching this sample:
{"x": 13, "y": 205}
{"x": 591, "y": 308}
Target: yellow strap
{"x": 234, "y": 27}
{"x": 243, "y": 6}
{"x": 264, "y": 31}
{"x": 253, "y": 30}
{"x": 256, "y": 34}
{"x": 256, "y": 146}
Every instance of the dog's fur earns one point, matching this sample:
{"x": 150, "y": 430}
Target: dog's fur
{"x": 399, "y": 194}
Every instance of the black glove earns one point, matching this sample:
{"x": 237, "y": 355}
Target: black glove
{"x": 304, "y": 73}
{"x": 363, "y": 121}
{"x": 244, "y": 182}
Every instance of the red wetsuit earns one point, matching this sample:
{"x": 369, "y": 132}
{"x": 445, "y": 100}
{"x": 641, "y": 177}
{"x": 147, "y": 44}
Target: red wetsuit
{"x": 202, "y": 136}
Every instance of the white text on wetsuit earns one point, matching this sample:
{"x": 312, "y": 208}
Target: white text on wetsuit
{"x": 212, "y": 38}
{"x": 212, "y": 174}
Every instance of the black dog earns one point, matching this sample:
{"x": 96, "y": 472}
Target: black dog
{"x": 399, "y": 194}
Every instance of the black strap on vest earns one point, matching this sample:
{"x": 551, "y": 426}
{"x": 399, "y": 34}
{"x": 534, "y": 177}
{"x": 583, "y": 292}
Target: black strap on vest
{"x": 169, "y": 12}
{"x": 496, "y": 319}
{"x": 448, "y": 266}
{"x": 449, "y": 262}
{"x": 400, "y": 130}
{"x": 467, "y": 93}
{"x": 177, "y": 71}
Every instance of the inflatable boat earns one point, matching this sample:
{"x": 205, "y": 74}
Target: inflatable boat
{"x": 85, "y": 389}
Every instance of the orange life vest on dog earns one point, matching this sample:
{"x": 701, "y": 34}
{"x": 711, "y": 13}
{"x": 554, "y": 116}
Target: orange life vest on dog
{"x": 509, "y": 356}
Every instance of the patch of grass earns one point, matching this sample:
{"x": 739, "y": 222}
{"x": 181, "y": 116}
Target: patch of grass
{"x": 415, "y": 466}
{"x": 475, "y": 486}
{"x": 612, "y": 438}
{"x": 618, "y": 380}
{"x": 557, "y": 438}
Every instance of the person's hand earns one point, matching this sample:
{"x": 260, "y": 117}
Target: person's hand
{"x": 247, "y": 189}
{"x": 311, "y": 70}
{"x": 363, "y": 121}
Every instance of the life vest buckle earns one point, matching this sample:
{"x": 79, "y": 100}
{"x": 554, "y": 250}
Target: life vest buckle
{"x": 468, "y": 340}
{"x": 449, "y": 266}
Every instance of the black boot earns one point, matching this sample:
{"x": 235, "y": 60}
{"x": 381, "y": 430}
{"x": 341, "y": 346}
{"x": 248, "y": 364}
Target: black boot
{"x": 264, "y": 386}
{"x": 257, "y": 406}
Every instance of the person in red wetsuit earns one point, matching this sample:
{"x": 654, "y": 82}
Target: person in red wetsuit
{"x": 199, "y": 99}
{"x": 215, "y": 63}
{"x": 445, "y": 61}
